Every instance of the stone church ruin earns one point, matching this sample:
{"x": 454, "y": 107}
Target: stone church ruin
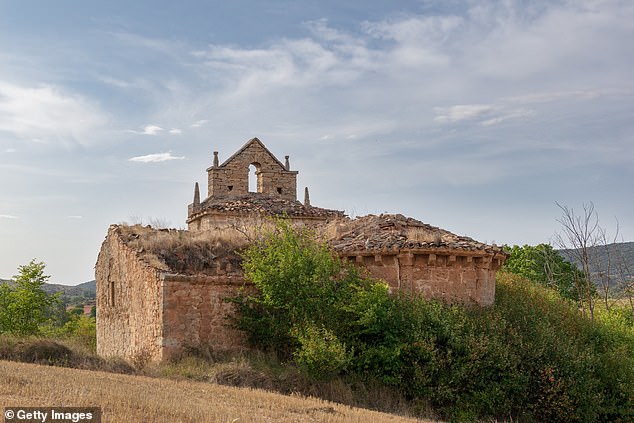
{"x": 161, "y": 291}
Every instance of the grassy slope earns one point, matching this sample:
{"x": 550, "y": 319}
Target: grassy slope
{"x": 139, "y": 398}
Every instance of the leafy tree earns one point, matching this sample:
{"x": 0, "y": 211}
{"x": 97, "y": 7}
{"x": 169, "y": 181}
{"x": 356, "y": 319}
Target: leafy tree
{"x": 545, "y": 266}
{"x": 24, "y": 306}
{"x": 303, "y": 303}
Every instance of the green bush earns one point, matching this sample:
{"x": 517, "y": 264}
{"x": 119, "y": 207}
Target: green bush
{"x": 532, "y": 356}
{"x": 574, "y": 369}
{"x": 545, "y": 266}
{"x": 321, "y": 354}
{"x": 301, "y": 287}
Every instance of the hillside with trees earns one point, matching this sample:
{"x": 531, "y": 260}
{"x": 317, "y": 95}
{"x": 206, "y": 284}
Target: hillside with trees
{"x": 75, "y": 295}
{"x": 615, "y": 258}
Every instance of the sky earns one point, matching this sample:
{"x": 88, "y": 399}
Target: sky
{"x": 475, "y": 116}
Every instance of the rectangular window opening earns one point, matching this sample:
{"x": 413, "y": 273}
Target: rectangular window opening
{"x": 111, "y": 293}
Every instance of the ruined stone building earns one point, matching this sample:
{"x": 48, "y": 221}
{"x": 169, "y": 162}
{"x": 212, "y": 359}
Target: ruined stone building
{"x": 228, "y": 197}
{"x": 160, "y": 292}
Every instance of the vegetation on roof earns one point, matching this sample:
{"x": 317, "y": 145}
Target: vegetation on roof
{"x": 184, "y": 252}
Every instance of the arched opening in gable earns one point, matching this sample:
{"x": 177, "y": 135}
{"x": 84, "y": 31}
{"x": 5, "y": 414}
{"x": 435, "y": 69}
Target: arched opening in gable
{"x": 255, "y": 183}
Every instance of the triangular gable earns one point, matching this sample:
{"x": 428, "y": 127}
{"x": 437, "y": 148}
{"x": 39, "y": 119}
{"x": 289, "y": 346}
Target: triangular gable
{"x": 247, "y": 145}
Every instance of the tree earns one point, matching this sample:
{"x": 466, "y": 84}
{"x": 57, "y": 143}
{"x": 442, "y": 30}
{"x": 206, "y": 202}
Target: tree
{"x": 302, "y": 306}
{"x": 545, "y": 266}
{"x": 24, "y": 306}
{"x": 586, "y": 241}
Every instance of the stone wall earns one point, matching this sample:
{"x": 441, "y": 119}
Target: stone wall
{"x": 196, "y": 315}
{"x": 129, "y": 303}
{"x": 222, "y": 220}
{"x": 445, "y": 275}
{"x": 232, "y": 177}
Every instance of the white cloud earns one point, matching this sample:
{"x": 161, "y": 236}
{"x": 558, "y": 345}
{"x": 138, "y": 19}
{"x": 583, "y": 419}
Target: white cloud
{"x": 462, "y": 112}
{"x": 400, "y": 69}
{"x": 10, "y": 150}
{"x": 164, "y": 47}
{"x": 291, "y": 63}
{"x": 519, "y": 43}
{"x": 48, "y": 114}
{"x": 75, "y": 217}
{"x": 7, "y": 216}
{"x": 155, "y": 158}
{"x": 512, "y": 114}
{"x": 152, "y": 130}
{"x": 114, "y": 82}
{"x": 419, "y": 41}
{"x": 483, "y": 114}
{"x": 175, "y": 131}
{"x": 147, "y": 130}
{"x": 548, "y": 97}
{"x": 416, "y": 29}
{"x": 199, "y": 123}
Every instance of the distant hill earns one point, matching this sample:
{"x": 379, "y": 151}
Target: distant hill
{"x": 83, "y": 288}
{"x": 620, "y": 255}
{"x": 76, "y": 295}
{"x": 81, "y": 294}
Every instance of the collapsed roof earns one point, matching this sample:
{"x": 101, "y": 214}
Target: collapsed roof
{"x": 395, "y": 232}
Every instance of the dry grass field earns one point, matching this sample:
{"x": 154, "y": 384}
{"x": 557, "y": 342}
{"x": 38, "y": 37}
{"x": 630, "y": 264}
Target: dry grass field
{"x": 125, "y": 398}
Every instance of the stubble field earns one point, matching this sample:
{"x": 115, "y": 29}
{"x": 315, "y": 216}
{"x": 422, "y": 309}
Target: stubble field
{"x": 125, "y": 398}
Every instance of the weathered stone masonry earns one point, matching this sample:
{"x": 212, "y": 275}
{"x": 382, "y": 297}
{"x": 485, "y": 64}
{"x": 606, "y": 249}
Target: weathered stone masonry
{"x": 437, "y": 274}
{"x": 150, "y": 314}
{"x": 148, "y": 310}
{"x": 229, "y": 200}
{"x": 232, "y": 176}
{"x": 129, "y": 302}
{"x": 419, "y": 258}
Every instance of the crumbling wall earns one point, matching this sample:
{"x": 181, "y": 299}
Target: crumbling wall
{"x": 196, "y": 315}
{"x": 147, "y": 314}
{"x": 129, "y": 303}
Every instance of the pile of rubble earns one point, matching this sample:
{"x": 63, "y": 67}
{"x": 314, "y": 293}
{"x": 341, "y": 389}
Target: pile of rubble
{"x": 395, "y": 232}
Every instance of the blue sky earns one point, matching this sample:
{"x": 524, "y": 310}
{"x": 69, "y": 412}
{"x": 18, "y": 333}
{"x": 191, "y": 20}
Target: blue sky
{"x": 476, "y": 116}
